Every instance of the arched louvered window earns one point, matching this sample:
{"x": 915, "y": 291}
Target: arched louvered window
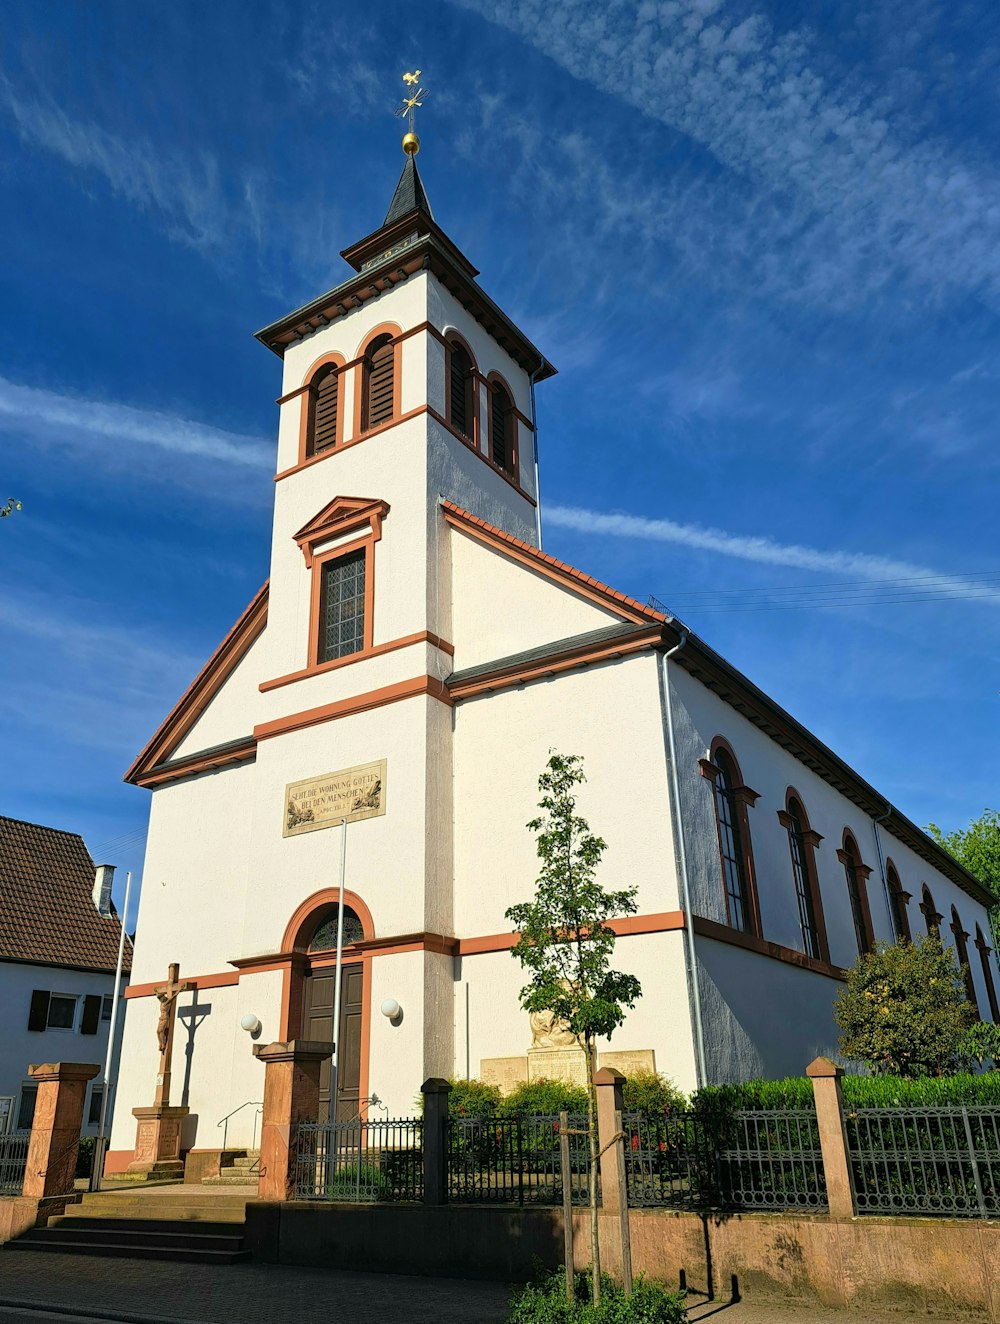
{"x": 324, "y": 408}
{"x": 898, "y": 900}
{"x": 984, "y": 959}
{"x": 734, "y": 842}
{"x": 801, "y": 843}
{"x": 461, "y": 397}
{"x": 378, "y": 400}
{"x": 856, "y": 874}
{"x": 932, "y": 917}
{"x": 962, "y": 952}
{"x": 502, "y": 451}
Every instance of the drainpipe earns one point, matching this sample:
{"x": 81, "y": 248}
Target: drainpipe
{"x": 694, "y": 987}
{"x": 534, "y": 446}
{"x": 884, "y": 818}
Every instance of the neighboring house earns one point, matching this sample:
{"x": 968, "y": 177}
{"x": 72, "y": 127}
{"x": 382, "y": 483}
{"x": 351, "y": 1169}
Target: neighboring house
{"x": 410, "y": 664}
{"x": 59, "y": 937}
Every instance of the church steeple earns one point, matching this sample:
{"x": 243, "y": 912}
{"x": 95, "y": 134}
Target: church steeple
{"x": 410, "y": 194}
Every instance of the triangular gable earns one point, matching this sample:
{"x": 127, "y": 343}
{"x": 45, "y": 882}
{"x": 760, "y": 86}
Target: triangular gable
{"x": 201, "y": 691}
{"x": 342, "y": 515}
{"x": 567, "y": 576}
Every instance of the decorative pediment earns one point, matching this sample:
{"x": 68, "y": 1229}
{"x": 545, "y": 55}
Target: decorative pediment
{"x": 342, "y": 516}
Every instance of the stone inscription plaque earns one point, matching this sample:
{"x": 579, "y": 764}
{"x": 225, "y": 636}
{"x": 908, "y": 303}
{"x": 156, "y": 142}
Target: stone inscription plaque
{"x": 321, "y": 802}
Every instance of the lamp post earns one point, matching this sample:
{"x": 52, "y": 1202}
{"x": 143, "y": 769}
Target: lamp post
{"x": 101, "y": 1143}
{"x": 336, "y": 979}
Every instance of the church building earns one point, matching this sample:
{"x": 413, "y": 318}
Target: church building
{"x": 408, "y": 666}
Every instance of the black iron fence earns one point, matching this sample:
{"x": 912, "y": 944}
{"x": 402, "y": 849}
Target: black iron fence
{"x": 13, "y": 1157}
{"x": 515, "y": 1160}
{"x": 359, "y": 1161}
{"x": 937, "y": 1161}
{"x": 749, "y": 1159}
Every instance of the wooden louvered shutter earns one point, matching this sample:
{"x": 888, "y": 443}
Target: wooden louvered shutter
{"x": 91, "y": 1014}
{"x": 38, "y": 1016}
{"x": 460, "y": 387}
{"x": 500, "y": 428}
{"x": 380, "y": 373}
{"x": 326, "y": 393}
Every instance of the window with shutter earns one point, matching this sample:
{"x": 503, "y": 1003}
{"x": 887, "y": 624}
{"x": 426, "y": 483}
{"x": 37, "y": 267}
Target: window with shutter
{"x": 38, "y": 1016}
{"x": 460, "y": 397}
{"x": 501, "y": 429}
{"x": 342, "y": 607}
{"x": 324, "y": 393}
{"x": 91, "y": 1017}
{"x": 379, "y": 383}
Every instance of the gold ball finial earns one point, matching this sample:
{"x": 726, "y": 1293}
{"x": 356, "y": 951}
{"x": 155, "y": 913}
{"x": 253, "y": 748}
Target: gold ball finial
{"x": 411, "y": 144}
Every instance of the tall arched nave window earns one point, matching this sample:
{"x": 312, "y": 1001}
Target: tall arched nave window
{"x": 898, "y": 900}
{"x": 735, "y": 850}
{"x": 802, "y": 842}
{"x": 962, "y": 952}
{"x": 856, "y": 875}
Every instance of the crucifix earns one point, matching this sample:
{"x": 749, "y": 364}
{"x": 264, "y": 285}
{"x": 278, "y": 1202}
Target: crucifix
{"x": 166, "y": 995}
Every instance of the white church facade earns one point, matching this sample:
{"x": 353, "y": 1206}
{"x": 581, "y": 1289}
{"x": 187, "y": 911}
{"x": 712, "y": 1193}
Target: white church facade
{"x": 410, "y": 663}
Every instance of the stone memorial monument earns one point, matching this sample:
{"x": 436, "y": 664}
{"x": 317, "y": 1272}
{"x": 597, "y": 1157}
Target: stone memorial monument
{"x": 557, "y": 1054}
{"x": 158, "y": 1133}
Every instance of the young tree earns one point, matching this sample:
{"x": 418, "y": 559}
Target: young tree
{"x": 564, "y": 942}
{"x": 904, "y": 1011}
{"x": 977, "y": 847}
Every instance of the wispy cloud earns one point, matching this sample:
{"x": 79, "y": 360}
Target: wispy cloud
{"x": 762, "y": 550}
{"x": 184, "y": 190}
{"x": 42, "y": 417}
{"x": 839, "y": 186}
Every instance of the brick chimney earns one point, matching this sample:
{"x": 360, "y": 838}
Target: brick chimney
{"x": 103, "y": 878}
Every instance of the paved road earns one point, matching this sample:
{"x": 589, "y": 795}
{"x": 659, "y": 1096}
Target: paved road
{"x": 74, "y": 1289}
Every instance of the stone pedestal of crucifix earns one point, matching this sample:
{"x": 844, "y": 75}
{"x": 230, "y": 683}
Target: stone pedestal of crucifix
{"x": 158, "y": 1133}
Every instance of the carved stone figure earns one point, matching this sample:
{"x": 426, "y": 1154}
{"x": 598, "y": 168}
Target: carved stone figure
{"x": 550, "y": 1031}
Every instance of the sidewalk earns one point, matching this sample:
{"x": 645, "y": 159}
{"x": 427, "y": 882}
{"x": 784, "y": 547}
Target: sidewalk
{"x": 71, "y": 1288}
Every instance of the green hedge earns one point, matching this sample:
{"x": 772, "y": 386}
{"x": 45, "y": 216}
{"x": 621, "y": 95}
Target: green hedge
{"x": 859, "y": 1092}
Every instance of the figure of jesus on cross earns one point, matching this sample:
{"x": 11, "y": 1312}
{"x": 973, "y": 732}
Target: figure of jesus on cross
{"x": 166, "y": 995}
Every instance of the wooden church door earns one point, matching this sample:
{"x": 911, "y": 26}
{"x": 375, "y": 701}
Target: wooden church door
{"x": 317, "y": 1023}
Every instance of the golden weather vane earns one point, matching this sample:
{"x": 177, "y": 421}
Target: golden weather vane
{"x": 415, "y": 98}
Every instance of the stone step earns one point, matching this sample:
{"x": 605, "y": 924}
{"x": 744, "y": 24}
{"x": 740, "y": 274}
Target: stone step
{"x": 225, "y": 1179}
{"x": 189, "y": 1204}
{"x": 147, "y": 1239}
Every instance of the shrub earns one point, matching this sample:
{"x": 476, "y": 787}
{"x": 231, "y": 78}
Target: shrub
{"x": 362, "y": 1181}
{"x": 473, "y": 1098}
{"x": 85, "y": 1156}
{"x": 545, "y": 1097}
{"x": 544, "y": 1302}
{"x": 651, "y": 1093}
{"x": 716, "y": 1100}
{"x": 981, "y": 1043}
{"x": 904, "y": 1011}
{"x": 859, "y": 1092}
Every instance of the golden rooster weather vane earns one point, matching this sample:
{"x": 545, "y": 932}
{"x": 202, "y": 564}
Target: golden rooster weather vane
{"x": 415, "y": 98}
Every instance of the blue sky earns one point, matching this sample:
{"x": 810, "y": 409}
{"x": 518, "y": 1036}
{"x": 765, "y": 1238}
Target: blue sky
{"x": 764, "y": 254}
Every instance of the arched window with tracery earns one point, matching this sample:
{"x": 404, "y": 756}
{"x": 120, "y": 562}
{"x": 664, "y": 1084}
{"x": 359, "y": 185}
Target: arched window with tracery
{"x": 802, "y": 842}
{"x": 503, "y": 451}
{"x": 461, "y": 393}
{"x": 378, "y": 383}
{"x": 322, "y": 429}
{"x": 856, "y": 874}
{"x": 324, "y": 938}
{"x": 962, "y": 952}
{"x": 731, "y": 798}
{"x": 984, "y": 949}
{"x": 899, "y": 900}
{"x": 930, "y": 912}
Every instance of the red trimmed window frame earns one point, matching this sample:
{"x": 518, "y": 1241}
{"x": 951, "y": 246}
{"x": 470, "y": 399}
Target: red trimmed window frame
{"x": 472, "y": 401}
{"x": 743, "y": 798}
{"x": 808, "y": 841}
{"x": 984, "y": 950}
{"x": 513, "y": 469}
{"x": 962, "y": 952}
{"x": 856, "y": 875}
{"x": 899, "y": 900}
{"x": 307, "y": 419}
{"x": 932, "y": 916}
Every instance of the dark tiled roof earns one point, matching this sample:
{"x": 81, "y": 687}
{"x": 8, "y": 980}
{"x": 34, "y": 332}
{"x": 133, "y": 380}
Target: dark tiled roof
{"x": 47, "y": 914}
{"x": 409, "y": 195}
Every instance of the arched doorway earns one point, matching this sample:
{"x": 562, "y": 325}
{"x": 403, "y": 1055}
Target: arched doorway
{"x": 313, "y": 935}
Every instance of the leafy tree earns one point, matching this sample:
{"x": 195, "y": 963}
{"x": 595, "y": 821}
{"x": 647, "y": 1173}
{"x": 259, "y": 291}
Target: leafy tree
{"x": 564, "y": 942}
{"x": 905, "y": 1011}
{"x": 977, "y": 848}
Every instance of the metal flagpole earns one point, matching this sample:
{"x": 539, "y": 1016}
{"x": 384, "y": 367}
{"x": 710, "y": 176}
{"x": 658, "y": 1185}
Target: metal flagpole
{"x": 101, "y": 1142}
{"x": 336, "y": 978}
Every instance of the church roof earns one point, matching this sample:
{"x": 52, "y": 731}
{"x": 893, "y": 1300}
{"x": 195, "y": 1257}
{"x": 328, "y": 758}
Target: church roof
{"x": 410, "y": 194}
{"x": 46, "y": 905}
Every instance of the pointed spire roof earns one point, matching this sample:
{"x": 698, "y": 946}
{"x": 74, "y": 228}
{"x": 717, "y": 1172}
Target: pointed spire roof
{"x": 410, "y": 194}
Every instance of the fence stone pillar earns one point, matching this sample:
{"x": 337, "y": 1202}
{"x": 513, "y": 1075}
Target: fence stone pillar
{"x": 291, "y": 1095}
{"x": 435, "y": 1092}
{"x": 55, "y": 1132}
{"x": 825, "y": 1076}
{"x": 608, "y": 1085}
